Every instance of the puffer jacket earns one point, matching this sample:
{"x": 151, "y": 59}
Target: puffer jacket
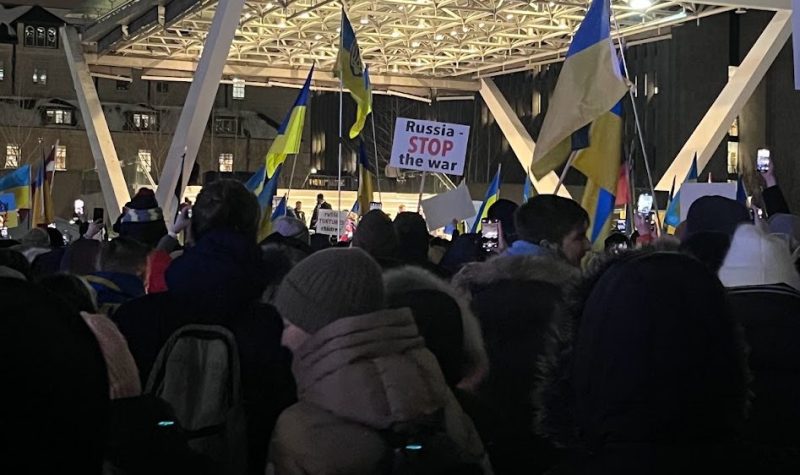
{"x": 356, "y": 379}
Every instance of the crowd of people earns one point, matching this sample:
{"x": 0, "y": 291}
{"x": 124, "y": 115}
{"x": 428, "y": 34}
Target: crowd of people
{"x": 191, "y": 348}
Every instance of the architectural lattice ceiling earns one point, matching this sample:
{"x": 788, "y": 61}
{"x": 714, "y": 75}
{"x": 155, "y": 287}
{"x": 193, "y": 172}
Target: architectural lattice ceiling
{"x": 423, "y": 38}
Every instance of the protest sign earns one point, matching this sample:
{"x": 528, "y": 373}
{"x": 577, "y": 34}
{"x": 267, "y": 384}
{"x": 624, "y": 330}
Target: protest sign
{"x": 330, "y": 221}
{"x": 691, "y": 192}
{"x": 429, "y": 146}
{"x": 442, "y": 209}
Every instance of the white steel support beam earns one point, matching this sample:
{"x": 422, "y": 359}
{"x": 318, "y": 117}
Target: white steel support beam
{"x": 751, "y": 4}
{"x": 199, "y": 101}
{"x": 715, "y": 124}
{"x": 182, "y": 67}
{"x": 112, "y": 181}
{"x": 520, "y": 140}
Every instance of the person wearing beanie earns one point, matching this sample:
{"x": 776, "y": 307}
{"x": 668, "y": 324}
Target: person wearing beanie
{"x": 715, "y": 214}
{"x": 503, "y": 210}
{"x": 376, "y": 235}
{"x": 764, "y": 290}
{"x": 142, "y": 219}
{"x": 363, "y": 373}
{"x": 289, "y": 227}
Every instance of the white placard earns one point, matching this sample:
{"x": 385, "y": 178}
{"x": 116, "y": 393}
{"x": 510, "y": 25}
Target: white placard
{"x": 429, "y": 146}
{"x": 442, "y": 209}
{"x": 330, "y": 221}
{"x": 691, "y": 192}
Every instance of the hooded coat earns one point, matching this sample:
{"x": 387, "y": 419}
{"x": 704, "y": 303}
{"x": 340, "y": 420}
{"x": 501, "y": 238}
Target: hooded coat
{"x": 517, "y": 300}
{"x": 359, "y": 378}
{"x": 637, "y": 387}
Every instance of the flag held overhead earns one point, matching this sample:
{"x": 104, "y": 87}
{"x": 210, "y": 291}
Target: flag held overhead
{"x": 290, "y": 132}
{"x": 590, "y": 85}
{"x": 350, "y": 70}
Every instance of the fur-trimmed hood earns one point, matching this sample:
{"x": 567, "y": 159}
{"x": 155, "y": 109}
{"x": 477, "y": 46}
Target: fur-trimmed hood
{"x": 545, "y": 269}
{"x": 415, "y": 278}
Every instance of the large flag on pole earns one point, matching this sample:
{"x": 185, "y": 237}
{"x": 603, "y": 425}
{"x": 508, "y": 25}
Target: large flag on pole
{"x": 290, "y": 132}
{"x": 42, "y": 209}
{"x": 355, "y": 78}
{"x": 673, "y": 217}
{"x": 589, "y": 86}
{"x": 365, "y": 188}
{"x": 492, "y": 195}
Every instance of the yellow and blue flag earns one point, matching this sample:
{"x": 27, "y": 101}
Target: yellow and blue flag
{"x": 365, "y": 188}
{"x": 18, "y": 183}
{"x": 255, "y": 183}
{"x": 589, "y": 86}
{"x": 265, "y": 198}
{"x": 527, "y": 190}
{"x": 492, "y": 195}
{"x": 42, "y": 190}
{"x": 673, "y": 217}
{"x": 290, "y": 132}
{"x": 280, "y": 210}
{"x": 355, "y": 78}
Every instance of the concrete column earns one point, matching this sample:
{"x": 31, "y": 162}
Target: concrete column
{"x": 714, "y": 126}
{"x": 199, "y": 101}
{"x": 520, "y": 140}
{"x": 112, "y": 181}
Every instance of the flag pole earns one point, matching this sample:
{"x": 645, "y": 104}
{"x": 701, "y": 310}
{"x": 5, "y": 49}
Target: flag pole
{"x": 377, "y": 162}
{"x": 291, "y": 179}
{"x": 421, "y": 188}
{"x": 341, "y": 88}
{"x": 566, "y": 169}
{"x": 636, "y": 120}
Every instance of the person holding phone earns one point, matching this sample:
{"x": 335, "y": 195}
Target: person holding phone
{"x": 774, "y": 201}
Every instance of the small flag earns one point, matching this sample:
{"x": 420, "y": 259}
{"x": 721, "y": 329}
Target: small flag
{"x": 290, "y": 132}
{"x": 280, "y": 210}
{"x": 265, "y": 203}
{"x": 18, "y": 182}
{"x": 673, "y": 217}
{"x": 365, "y": 188}
{"x": 492, "y": 195}
{"x": 527, "y": 189}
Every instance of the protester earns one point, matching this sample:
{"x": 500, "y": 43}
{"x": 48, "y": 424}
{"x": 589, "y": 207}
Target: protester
{"x": 291, "y": 228}
{"x": 549, "y": 225}
{"x": 634, "y": 387}
{"x": 465, "y": 248}
{"x": 787, "y": 226}
{"x": 517, "y": 300}
{"x": 299, "y": 213}
{"x": 321, "y": 204}
{"x": 80, "y": 257}
{"x": 142, "y": 219}
{"x": 709, "y": 247}
{"x": 123, "y": 273}
{"x": 715, "y": 214}
{"x": 33, "y": 244}
{"x": 764, "y": 290}
{"x": 413, "y": 242}
{"x": 771, "y": 195}
{"x": 55, "y": 418}
{"x": 220, "y": 281}
{"x": 503, "y": 210}
{"x": 377, "y": 236}
{"x": 617, "y": 241}
{"x": 75, "y": 292}
{"x": 363, "y": 376}
{"x": 14, "y": 264}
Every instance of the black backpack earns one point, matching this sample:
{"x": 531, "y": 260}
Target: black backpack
{"x": 197, "y": 373}
{"x": 425, "y": 448}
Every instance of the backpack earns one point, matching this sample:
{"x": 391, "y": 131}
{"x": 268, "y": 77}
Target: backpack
{"x": 425, "y": 448}
{"x": 197, "y": 373}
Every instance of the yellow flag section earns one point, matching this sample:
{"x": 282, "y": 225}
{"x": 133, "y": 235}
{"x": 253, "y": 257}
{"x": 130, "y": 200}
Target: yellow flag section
{"x": 42, "y": 209}
{"x": 350, "y": 70}
{"x": 365, "y": 188}
{"x": 601, "y": 163}
{"x": 290, "y": 132}
{"x": 590, "y": 85}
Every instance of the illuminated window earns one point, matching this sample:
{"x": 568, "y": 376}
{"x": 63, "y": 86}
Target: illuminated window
{"x": 733, "y": 158}
{"x": 38, "y": 36}
{"x": 238, "y": 88}
{"x": 2, "y": 71}
{"x": 58, "y": 116}
{"x": 40, "y": 76}
{"x": 61, "y": 157}
{"x": 144, "y": 121}
{"x": 226, "y": 162}
{"x": 12, "y": 155}
{"x": 144, "y": 161}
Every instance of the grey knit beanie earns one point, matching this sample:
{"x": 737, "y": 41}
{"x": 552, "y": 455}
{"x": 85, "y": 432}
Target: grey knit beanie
{"x": 329, "y": 285}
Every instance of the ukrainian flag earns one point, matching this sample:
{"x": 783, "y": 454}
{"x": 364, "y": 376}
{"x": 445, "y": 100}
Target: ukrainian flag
{"x": 355, "y": 78}
{"x": 673, "y": 217}
{"x": 265, "y": 197}
{"x": 255, "y": 183}
{"x": 290, "y": 132}
{"x": 18, "y": 182}
{"x": 589, "y": 86}
{"x": 492, "y": 195}
{"x": 280, "y": 210}
{"x": 365, "y": 188}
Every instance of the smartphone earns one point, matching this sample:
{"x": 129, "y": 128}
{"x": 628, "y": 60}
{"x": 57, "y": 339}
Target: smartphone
{"x": 4, "y": 233}
{"x": 490, "y": 234}
{"x": 645, "y": 204}
{"x": 97, "y": 214}
{"x": 762, "y": 162}
{"x": 621, "y": 225}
